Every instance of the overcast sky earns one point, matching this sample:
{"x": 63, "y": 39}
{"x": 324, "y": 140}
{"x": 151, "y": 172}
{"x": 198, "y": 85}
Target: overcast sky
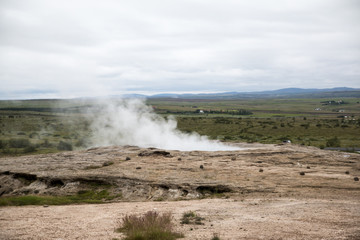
{"x": 51, "y": 48}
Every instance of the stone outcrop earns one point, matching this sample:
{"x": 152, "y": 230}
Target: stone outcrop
{"x": 155, "y": 174}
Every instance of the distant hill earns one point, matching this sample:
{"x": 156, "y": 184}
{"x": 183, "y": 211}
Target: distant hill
{"x": 280, "y": 93}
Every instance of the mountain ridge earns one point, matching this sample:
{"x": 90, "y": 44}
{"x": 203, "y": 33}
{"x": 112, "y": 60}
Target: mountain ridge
{"x": 279, "y": 93}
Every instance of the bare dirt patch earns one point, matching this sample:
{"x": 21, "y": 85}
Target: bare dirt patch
{"x": 257, "y": 218}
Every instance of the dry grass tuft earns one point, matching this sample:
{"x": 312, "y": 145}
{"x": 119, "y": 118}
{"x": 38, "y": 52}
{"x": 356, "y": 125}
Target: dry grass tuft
{"x": 150, "y": 226}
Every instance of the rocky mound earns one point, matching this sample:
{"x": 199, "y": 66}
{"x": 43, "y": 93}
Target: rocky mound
{"x": 154, "y": 174}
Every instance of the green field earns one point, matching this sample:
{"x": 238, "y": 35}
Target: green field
{"x": 315, "y": 122}
{"x": 45, "y": 126}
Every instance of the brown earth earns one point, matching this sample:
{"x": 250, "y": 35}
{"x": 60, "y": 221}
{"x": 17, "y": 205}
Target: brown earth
{"x": 260, "y": 192}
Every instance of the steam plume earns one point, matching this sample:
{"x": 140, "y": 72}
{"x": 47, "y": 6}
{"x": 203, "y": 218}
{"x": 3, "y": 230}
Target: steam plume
{"x": 132, "y": 122}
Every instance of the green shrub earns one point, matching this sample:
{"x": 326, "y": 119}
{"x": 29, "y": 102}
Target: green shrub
{"x": 191, "y": 218}
{"x": 29, "y": 149}
{"x": 64, "y": 146}
{"x": 46, "y": 143}
{"x": 150, "y": 226}
{"x": 333, "y": 142}
{"x": 19, "y": 143}
{"x": 306, "y": 126}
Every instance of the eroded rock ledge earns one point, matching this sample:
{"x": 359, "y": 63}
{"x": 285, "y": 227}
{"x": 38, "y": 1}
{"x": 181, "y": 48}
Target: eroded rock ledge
{"x": 155, "y": 174}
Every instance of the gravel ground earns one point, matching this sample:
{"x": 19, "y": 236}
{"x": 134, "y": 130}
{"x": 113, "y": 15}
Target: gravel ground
{"x": 232, "y": 219}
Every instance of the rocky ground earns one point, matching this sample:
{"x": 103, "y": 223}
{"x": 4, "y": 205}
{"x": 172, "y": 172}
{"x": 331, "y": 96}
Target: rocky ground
{"x": 259, "y": 192}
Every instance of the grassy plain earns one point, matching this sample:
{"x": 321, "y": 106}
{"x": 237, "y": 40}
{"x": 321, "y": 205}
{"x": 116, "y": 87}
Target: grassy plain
{"x": 316, "y": 122}
{"x": 44, "y": 126}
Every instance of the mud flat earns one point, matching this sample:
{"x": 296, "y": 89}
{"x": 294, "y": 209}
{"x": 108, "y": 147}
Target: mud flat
{"x": 260, "y": 192}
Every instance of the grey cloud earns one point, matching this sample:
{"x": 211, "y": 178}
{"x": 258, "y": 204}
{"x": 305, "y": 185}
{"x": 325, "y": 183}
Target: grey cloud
{"x": 76, "y": 48}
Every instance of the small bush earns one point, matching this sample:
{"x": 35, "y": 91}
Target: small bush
{"x": 29, "y": 149}
{"x": 333, "y": 142}
{"x": 46, "y": 143}
{"x": 19, "y": 143}
{"x": 150, "y": 226}
{"x": 191, "y": 218}
{"x": 64, "y": 146}
{"x": 306, "y": 126}
{"x": 215, "y": 237}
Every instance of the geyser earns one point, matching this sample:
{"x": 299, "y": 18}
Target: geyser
{"x": 132, "y": 122}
